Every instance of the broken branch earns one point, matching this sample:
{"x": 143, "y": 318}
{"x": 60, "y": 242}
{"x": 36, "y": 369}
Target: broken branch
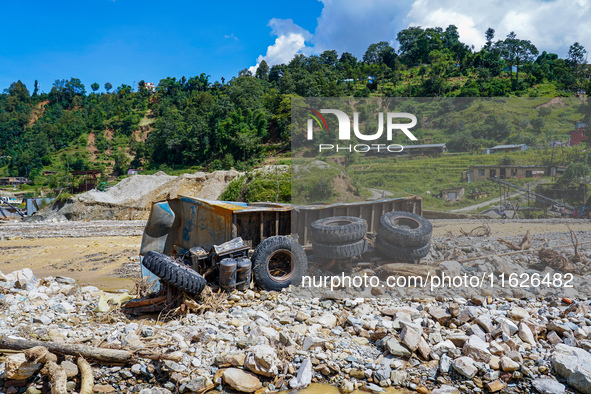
{"x": 113, "y": 356}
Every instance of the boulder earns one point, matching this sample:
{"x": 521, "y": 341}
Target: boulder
{"x": 477, "y": 349}
{"x": 548, "y": 386}
{"x": 465, "y": 367}
{"x": 262, "y": 360}
{"x": 242, "y": 381}
{"x": 18, "y": 368}
{"x": 574, "y": 365}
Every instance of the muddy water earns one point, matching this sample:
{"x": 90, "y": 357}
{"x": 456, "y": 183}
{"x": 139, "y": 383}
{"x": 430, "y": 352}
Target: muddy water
{"x": 320, "y": 388}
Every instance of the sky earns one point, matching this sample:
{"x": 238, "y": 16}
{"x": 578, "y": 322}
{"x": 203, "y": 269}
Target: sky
{"x": 126, "y": 41}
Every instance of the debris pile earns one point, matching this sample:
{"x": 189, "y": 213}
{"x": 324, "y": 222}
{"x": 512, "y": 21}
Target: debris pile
{"x": 255, "y": 341}
{"x": 132, "y": 198}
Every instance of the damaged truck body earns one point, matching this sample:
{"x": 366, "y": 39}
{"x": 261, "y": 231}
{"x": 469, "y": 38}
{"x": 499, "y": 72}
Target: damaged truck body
{"x": 190, "y": 242}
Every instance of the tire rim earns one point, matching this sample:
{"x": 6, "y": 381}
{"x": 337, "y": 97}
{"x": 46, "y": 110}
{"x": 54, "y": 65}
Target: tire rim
{"x": 338, "y": 222}
{"x": 281, "y": 265}
{"x": 405, "y": 222}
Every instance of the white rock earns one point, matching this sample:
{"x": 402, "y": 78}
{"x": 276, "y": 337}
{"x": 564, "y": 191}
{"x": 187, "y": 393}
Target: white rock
{"x": 445, "y": 389}
{"x": 328, "y": 320}
{"x": 573, "y": 364}
{"x": 518, "y": 313}
{"x": 262, "y": 360}
{"x": 508, "y": 365}
{"x": 396, "y": 349}
{"x": 477, "y": 349}
{"x": 304, "y": 376}
{"x": 241, "y": 380}
{"x": 311, "y": 342}
{"x": 410, "y": 338}
{"x": 526, "y": 335}
{"x": 442, "y": 347}
{"x": 465, "y": 367}
{"x": 548, "y": 386}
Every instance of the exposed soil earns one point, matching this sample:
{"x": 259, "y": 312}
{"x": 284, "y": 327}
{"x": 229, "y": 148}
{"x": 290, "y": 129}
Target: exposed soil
{"x": 98, "y": 261}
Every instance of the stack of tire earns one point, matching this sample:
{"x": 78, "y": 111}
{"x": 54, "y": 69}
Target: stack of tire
{"x": 403, "y": 236}
{"x": 338, "y": 237}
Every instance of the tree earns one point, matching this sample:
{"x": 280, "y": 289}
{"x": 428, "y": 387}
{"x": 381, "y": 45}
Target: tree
{"x": 577, "y": 54}
{"x": 95, "y": 86}
{"x": 19, "y": 91}
{"x": 121, "y": 162}
{"x": 516, "y": 51}
{"x": 348, "y": 59}
{"x": 416, "y": 44}
{"x": 376, "y": 53}
{"x": 577, "y": 57}
{"x": 329, "y": 58}
{"x": 574, "y": 171}
{"x": 36, "y": 89}
{"x": 490, "y": 35}
{"x": 108, "y": 86}
{"x": 450, "y": 36}
{"x": 263, "y": 71}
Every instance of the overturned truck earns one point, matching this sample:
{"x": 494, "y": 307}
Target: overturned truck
{"x": 190, "y": 242}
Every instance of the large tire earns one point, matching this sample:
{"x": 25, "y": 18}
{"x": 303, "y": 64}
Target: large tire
{"x": 339, "y": 251}
{"x": 278, "y": 262}
{"x": 338, "y": 230}
{"x": 405, "y": 229}
{"x": 174, "y": 273}
{"x": 401, "y": 253}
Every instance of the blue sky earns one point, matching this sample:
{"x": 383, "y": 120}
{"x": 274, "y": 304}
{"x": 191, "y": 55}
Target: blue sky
{"x": 125, "y": 41}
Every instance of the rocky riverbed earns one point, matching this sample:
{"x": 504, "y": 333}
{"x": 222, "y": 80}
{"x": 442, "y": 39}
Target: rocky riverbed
{"x": 521, "y": 341}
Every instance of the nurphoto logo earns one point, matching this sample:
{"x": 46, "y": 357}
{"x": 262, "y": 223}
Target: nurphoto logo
{"x": 344, "y": 131}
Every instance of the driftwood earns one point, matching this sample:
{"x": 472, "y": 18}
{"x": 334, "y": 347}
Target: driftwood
{"x": 480, "y": 231}
{"x": 523, "y": 245}
{"x": 575, "y": 240}
{"x": 57, "y": 377}
{"x": 87, "y": 379}
{"x": 555, "y": 260}
{"x": 39, "y": 354}
{"x": 149, "y": 301}
{"x": 114, "y": 356}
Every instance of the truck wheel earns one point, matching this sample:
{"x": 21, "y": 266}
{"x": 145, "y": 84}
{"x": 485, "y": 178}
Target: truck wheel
{"x": 401, "y": 253}
{"x": 278, "y": 262}
{"x": 174, "y": 273}
{"x": 338, "y": 229}
{"x": 405, "y": 229}
{"x": 339, "y": 251}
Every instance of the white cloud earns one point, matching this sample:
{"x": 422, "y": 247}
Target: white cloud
{"x": 352, "y": 25}
{"x": 232, "y": 36}
{"x": 291, "y": 39}
{"x": 550, "y": 25}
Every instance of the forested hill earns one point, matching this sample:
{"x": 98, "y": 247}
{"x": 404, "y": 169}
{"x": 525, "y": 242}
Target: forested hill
{"x": 195, "y": 122}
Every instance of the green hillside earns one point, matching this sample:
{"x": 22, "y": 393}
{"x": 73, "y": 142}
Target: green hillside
{"x": 188, "y": 124}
